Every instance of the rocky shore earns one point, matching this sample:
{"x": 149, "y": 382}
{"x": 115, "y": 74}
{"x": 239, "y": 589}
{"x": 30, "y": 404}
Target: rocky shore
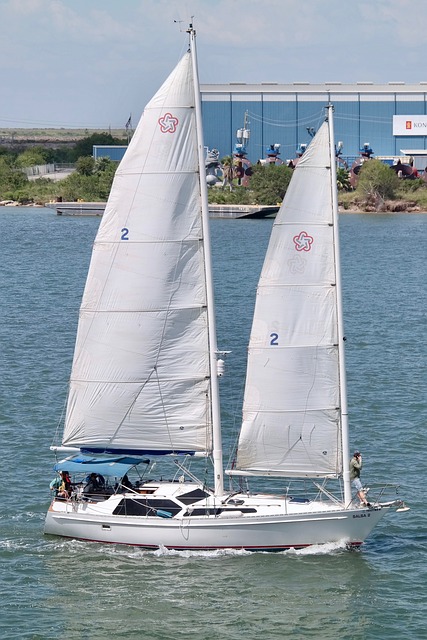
{"x": 386, "y": 206}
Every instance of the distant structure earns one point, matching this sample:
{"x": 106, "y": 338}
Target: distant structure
{"x": 272, "y": 155}
{"x": 241, "y": 165}
{"x": 213, "y": 167}
{"x": 114, "y": 152}
{"x": 299, "y": 153}
{"x": 238, "y": 169}
{"x": 284, "y": 112}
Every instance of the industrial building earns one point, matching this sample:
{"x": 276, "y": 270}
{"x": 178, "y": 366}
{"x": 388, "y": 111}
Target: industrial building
{"x": 391, "y": 118}
{"x": 115, "y": 153}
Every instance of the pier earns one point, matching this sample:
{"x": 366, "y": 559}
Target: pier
{"x": 230, "y": 211}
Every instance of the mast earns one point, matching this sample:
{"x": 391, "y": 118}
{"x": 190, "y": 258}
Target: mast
{"x": 341, "y": 355}
{"x": 213, "y": 351}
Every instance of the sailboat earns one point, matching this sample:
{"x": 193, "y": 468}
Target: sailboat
{"x": 145, "y": 377}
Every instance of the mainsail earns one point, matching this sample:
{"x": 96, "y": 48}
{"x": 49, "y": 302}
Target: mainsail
{"x": 292, "y": 403}
{"x": 140, "y": 380}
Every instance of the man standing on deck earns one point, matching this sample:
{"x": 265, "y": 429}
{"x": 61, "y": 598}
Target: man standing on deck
{"x": 355, "y": 468}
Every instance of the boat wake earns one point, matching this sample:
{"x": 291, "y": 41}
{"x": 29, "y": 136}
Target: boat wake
{"x": 319, "y": 549}
{"x": 73, "y": 546}
{"x": 162, "y": 552}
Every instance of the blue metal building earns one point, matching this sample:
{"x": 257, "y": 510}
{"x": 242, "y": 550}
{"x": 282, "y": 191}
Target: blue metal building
{"x": 115, "y": 153}
{"x": 283, "y": 114}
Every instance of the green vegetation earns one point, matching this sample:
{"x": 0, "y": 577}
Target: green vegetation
{"x": 269, "y": 183}
{"x": 11, "y": 180}
{"x": 268, "y": 186}
{"x": 91, "y": 181}
{"x": 343, "y": 179}
{"x": 85, "y": 146}
{"x": 378, "y": 188}
{"x": 41, "y": 136}
{"x": 377, "y": 182}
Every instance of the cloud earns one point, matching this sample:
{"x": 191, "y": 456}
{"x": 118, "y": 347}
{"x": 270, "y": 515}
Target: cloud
{"x": 87, "y": 60}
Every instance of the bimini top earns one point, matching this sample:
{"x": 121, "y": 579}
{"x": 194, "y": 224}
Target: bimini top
{"x": 116, "y": 467}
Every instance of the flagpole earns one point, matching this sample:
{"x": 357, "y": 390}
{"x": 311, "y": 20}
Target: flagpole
{"x": 128, "y": 127}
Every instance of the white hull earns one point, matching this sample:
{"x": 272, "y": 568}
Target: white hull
{"x": 277, "y": 523}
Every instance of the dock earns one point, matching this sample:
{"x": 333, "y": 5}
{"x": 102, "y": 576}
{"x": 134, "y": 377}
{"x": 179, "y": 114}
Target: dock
{"x": 230, "y": 211}
{"x": 77, "y": 209}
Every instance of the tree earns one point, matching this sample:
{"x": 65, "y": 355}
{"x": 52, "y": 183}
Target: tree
{"x": 11, "y": 178}
{"x": 78, "y": 186}
{"x": 91, "y": 182}
{"x": 32, "y": 157}
{"x": 105, "y": 164}
{"x": 105, "y": 169}
{"x": 85, "y": 147}
{"x": 343, "y": 180}
{"x": 85, "y": 166}
{"x": 269, "y": 183}
{"x": 377, "y": 182}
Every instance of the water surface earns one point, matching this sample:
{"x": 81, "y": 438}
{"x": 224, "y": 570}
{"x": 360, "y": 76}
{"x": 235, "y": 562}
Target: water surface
{"x": 53, "y": 588}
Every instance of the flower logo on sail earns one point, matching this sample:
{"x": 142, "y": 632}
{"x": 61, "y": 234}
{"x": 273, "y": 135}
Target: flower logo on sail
{"x": 168, "y": 123}
{"x": 297, "y": 264}
{"x": 303, "y": 241}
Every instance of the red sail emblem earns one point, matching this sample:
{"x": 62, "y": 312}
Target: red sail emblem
{"x": 168, "y": 123}
{"x": 303, "y": 241}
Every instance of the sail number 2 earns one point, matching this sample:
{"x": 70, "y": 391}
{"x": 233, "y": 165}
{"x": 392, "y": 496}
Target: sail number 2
{"x": 274, "y": 339}
{"x": 125, "y": 234}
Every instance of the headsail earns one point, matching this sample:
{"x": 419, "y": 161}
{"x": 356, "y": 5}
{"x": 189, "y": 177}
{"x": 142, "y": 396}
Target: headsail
{"x": 292, "y": 406}
{"x": 141, "y": 374}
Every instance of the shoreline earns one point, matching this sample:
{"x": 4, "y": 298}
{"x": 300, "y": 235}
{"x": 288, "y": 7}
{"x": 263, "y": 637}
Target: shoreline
{"x": 10, "y": 204}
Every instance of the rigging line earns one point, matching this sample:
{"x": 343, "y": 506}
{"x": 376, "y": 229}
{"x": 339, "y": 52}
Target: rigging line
{"x": 363, "y": 118}
{"x": 60, "y": 422}
{"x": 308, "y": 119}
{"x": 200, "y": 176}
{"x": 129, "y": 409}
{"x": 186, "y": 470}
{"x": 288, "y": 124}
{"x": 209, "y": 427}
{"x": 237, "y": 401}
{"x": 154, "y": 369}
{"x": 317, "y": 114}
{"x": 318, "y": 347}
{"x": 163, "y": 332}
{"x": 162, "y": 403}
{"x": 178, "y": 282}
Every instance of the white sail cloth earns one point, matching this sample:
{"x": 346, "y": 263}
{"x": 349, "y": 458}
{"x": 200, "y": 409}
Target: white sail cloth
{"x": 291, "y": 410}
{"x": 140, "y": 376}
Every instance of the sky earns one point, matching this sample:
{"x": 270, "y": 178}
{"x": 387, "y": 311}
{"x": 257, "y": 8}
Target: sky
{"x": 93, "y": 63}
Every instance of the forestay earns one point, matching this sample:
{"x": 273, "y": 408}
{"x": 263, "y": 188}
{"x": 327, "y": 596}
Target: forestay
{"x": 291, "y": 413}
{"x": 141, "y": 375}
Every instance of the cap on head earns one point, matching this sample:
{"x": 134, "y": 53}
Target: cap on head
{"x": 356, "y": 453}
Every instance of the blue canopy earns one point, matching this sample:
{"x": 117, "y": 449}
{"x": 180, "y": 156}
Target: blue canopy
{"x": 114, "y": 467}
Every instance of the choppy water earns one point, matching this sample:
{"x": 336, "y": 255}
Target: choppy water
{"x": 51, "y": 588}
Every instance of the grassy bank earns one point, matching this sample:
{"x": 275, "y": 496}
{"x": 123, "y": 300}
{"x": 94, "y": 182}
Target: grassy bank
{"x": 41, "y": 136}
